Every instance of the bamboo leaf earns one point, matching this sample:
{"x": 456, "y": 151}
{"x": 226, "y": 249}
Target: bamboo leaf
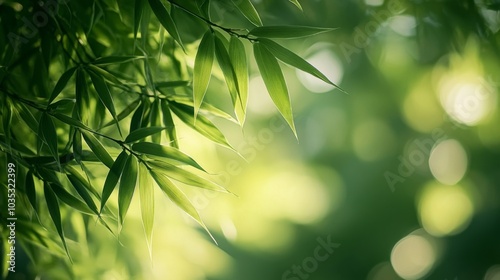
{"x": 165, "y": 152}
{"x": 294, "y": 60}
{"x": 115, "y": 59}
{"x": 82, "y": 191}
{"x": 206, "y": 108}
{"x": 178, "y": 197}
{"x": 30, "y": 190}
{"x": 227, "y": 69}
{"x": 112, "y": 179}
{"x": 287, "y": 32}
{"x": 296, "y": 3}
{"x": 239, "y": 61}
{"x": 248, "y": 10}
{"x": 172, "y": 84}
{"x": 70, "y": 121}
{"x": 123, "y": 114}
{"x": 155, "y": 120}
{"x": 83, "y": 181}
{"x": 55, "y": 214}
{"x": 61, "y": 84}
{"x": 203, "y": 69}
{"x": 71, "y": 200}
{"x": 203, "y": 125}
{"x": 138, "y": 8}
{"x": 104, "y": 74}
{"x": 168, "y": 122}
{"x": 275, "y": 82}
{"x": 104, "y": 95}
{"x": 146, "y": 192}
{"x": 142, "y": 133}
{"x": 127, "y": 187}
{"x": 97, "y": 148}
{"x": 166, "y": 20}
{"x": 186, "y": 177}
{"x": 47, "y": 131}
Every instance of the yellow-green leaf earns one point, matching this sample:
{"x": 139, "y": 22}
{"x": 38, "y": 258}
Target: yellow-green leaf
{"x": 166, "y": 20}
{"x": 61, "y": 84}
{"x": 142, "y": 133}
{"x": 203, "y": 69}
{"x": 227, "y": 69}
{"x": 178, "y": 197}
{"x": 127, "y": 187}
{"x": 275, "y": 82}
{"x": 296, "y": 3}
{"x": 165, "y": 152}
{"x": 146, "y": 192}
{"x": 294, "y": 60}
{"x": 238, "y": 58}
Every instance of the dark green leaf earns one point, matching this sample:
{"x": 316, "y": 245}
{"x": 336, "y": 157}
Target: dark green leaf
{"x": 61, "y": 84}
{"x": 71, "y": 200}
{"x": 166, "y": 20}
{"x": 205, "y": 108}
{"x": 296, "y": 3}
{"x": 165, "y": 152}
{"x": 155, "y": 120}
{"x": 137, "y": 117}
{"x": 227, "y": 69}
{"x": 55, "y": 214}
{"x": 248, "y": 10}
{"x": 172, "y": 84}
{"x": 275, "y": 82}
{"x": 115, "y": 59}
{"x": 125, "y": 113}
{"x": 138, "y": 8}
{"x": 142, "y": 133}
{"x": 202, "y": 69}
{"x": 127, "y": 187}
{"x": 112, "y": 179}
{"x": 287, "y": 31}
{"x": 82, "y": 191}
{"x": 30, "y": 190}
{"x": 168, "y": 122}
{"x": 98, "y": 148}
{"x": 70, "y": 121}
{"x": 48, "y": 133}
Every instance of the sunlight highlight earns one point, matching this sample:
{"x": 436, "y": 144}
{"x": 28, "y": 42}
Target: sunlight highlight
{"x": 448, "y": 162}
{"x": 413, "y": 257}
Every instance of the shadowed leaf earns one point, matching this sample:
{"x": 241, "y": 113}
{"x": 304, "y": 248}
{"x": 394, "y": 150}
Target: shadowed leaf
{"x": 127, "y": 187}
{"x": 287, "y": 32}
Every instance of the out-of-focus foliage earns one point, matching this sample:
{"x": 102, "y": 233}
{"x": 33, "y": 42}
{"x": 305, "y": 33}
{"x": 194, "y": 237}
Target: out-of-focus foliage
{"x": 397, "y": 180}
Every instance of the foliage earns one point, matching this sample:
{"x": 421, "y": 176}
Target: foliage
{"x": 106, "y": 83}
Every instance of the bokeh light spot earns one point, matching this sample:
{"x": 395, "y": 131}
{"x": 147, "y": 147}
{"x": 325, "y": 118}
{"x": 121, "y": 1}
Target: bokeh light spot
{"x": 413, "y": 257}
{"x": 448, "y": 162}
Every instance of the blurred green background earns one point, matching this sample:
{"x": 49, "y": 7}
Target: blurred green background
{"x": 397, "y": 180}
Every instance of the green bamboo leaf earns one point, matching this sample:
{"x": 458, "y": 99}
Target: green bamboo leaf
{"x": 146, "y": 192}
{"x": 61, "y": 84}
{"x": 165, "y": 152}
{"x": 166, "y": 20}
{"x": 248, "y": 10}
{"x": 239, "y": 61}
{"x": 48, "y": 133}
{"x": 62, "y": 105}
{"x": 97, "y": 148}
{"x": 115, "y": 59}
{"x": 203, "y": 125}
{"x": 287, "y": 32}
{"x": 296, "y": 3}
{"x": 294, "y": 60}
{"x": 275, "y": 82}
{"x": 227, "y": 69}
{"x": 206, "y": 108}
{"x": 82, "y": 191}
{"x": 55, "y": 214}
{"x": 168, "y": 122}
{"x": 104, "y": 95}
{"x": 203, "y": 69}
{"x": 70, "y": 121}
{"x": 78, "y": 146}
{"x": 142, "y": 133}
{"x": 27, "y": 117}
{"x": 100, "y": 72}
{"x": 83, "y": 181}
{"x": 127, "y": 187}
{"x": 137, "y": 117}
{"x": 186, "y": 177}
{"x": 123, "y": 114}
{"x": 178, "y": 197}
{"x": 112, "y": 179}
{"x": 30, "y": 190}
{"x": 82, "y": 96}
{"x": 138, "y": 8}
{"x": 155, "y": 120}
{"x": 71, "y": 200}
{"x": 172, "y": 84}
